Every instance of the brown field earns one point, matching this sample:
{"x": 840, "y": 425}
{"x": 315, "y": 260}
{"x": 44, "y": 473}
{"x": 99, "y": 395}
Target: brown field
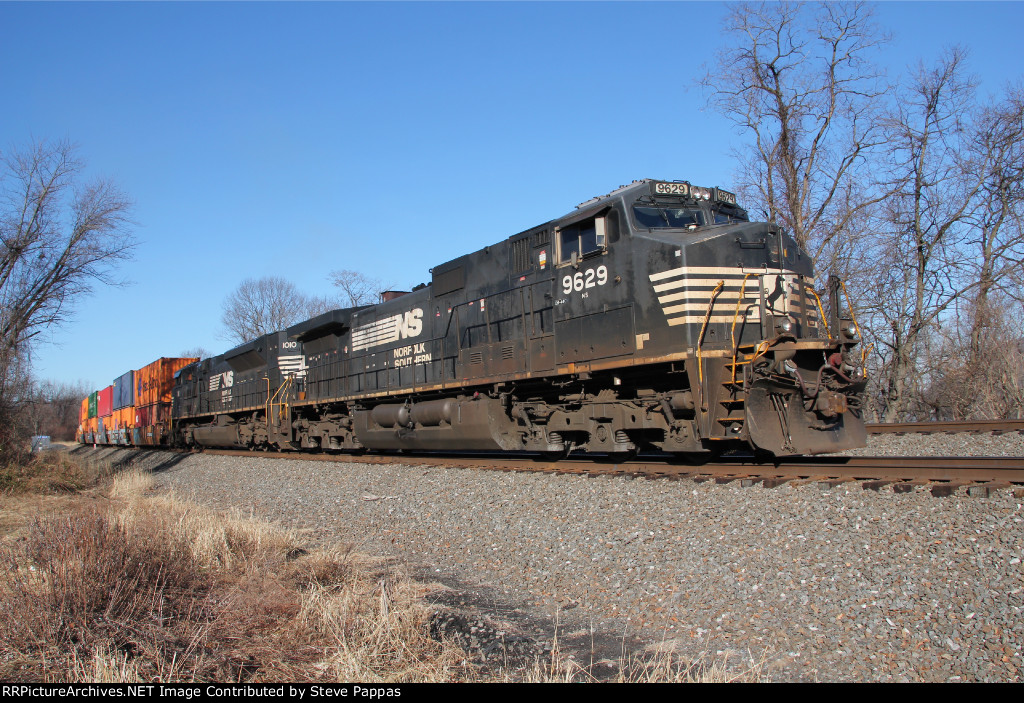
{"x": 106, "y": 580}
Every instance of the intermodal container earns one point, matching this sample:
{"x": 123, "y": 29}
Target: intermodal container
{"x": 83, "y": 418}
{"x": 124, "y": 418}
{"x": 153, "y": 383}
{"x": 153, "y": 386}
{"x": 93, "y": 402}
{"x": 105, "y": 401}
{"x": 152, "y": 414}
{"x": 121, "y": 426}
{"x": 124, "y": 390}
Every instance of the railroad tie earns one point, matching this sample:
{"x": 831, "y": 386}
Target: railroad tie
{"x": 944, "y": 490}
{"x": 875, "y": 485}
{"x": 907, "y": 486}
{"x": 985, "y": 490}
{"x": 830, "y": 483}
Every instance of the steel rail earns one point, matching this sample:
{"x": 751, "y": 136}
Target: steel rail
{"x": 960, "y": 470}
{"x": 951, "y": 426}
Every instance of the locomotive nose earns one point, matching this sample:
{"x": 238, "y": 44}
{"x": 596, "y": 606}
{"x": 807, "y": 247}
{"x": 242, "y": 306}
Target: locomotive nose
{"x": 766, "y": 245}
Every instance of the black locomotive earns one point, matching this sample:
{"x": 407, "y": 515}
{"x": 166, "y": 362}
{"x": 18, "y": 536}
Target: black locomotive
{"x": 657, "y": 316}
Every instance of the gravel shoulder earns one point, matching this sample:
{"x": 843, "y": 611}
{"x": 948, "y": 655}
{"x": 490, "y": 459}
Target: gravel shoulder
{"x": 949, "y": 444}
{"x": 844, "y": 584}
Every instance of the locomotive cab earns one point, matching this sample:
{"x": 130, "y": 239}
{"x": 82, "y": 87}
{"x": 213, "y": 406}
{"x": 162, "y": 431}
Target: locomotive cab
{"x": 766, "y": 367}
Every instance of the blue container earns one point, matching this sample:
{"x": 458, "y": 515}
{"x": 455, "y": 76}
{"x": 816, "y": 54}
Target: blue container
{"x": 124, "y": 390}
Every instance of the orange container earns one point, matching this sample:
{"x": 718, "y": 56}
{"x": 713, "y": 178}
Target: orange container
{"x": 152, "y": 409}
{"x": 83, "y": 417}
{"x": 153, "y": 383}
{"x": 91, "y": 428}
{"x": 124, "y": 418}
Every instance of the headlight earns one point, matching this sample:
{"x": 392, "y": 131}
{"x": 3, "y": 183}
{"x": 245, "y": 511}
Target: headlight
{"x": 850, "y": 329}
{"x": 784, "y": 324}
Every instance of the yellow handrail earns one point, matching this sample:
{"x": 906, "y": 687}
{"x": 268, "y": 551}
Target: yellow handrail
{"x": 279, "y": 392}
{"x": 700, "y": 341}
{"x": 853, "y": 316}
{"x": 735, "y": 316}
{"x": 821, "y": 311}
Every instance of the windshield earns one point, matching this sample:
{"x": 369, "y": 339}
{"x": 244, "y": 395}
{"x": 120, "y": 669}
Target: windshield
{"x": 725, "y": 218}
{"x": 668, "y": 217}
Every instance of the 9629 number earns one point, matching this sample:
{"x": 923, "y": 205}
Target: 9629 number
{"x": 671, "y": 188}
{"x": 585, "y": 279}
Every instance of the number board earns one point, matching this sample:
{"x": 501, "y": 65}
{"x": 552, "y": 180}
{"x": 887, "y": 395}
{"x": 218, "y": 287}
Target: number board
{"x": 662, "y": 188}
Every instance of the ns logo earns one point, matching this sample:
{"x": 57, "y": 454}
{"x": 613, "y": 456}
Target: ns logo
{"x": 388, "y": 330}
{"x": 410, "y": 324}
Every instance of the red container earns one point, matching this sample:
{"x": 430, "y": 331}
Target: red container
{"x": 105, "y": 402}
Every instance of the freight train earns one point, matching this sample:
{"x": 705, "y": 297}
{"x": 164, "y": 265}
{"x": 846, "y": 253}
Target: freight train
{"x": 656, "y": 317}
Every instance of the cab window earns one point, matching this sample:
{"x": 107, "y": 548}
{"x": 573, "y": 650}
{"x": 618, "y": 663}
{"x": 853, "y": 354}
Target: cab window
{"x": 668, "y": 217}
{"x": 728, "y": 218}
{"x": 582, "y": 240}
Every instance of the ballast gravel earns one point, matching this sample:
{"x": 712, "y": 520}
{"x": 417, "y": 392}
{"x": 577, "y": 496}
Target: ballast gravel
{"x": 943, "y": 444}
{"x": 840, "y": 584}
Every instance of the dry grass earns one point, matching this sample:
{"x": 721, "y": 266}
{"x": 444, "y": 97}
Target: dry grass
{"x": 48, "y": 472}
{"x": 126, "y": 584}
{"x": 147, "y": 587}
{"x": 660, "y": 664}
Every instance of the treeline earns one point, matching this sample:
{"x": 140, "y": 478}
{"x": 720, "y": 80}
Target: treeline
{"x": 51, "y": 408}
{"x": 909, "y": 187}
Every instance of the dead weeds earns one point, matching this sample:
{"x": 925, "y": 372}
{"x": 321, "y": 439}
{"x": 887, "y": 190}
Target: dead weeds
{"x": 113, "y": 581}
{"x": 147, "y": 587}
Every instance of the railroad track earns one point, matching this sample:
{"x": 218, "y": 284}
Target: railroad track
{"x": 943, "y": 475}
{"x": 996, "y": 426}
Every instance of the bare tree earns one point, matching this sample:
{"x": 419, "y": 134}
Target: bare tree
{"x": 52, "y": 408}
{"x": 356, "y": 288}
{"x": 917, "y": 200}
{"x": 59, "y": 236}
{"x": 987, "y": 382}
{"x": 195, "y": 353}
{"x": 319, "y": 304}
{"x": 995, "y": 243}
{"x": 935, "y": 189}
{"x": 798, "y": 81}
{"x": 263, "y": 305}
{"x": 976, "y": 371}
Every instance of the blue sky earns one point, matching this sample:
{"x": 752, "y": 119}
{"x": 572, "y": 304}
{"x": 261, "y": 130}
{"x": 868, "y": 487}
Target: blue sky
{"x": 294, "y": 139}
